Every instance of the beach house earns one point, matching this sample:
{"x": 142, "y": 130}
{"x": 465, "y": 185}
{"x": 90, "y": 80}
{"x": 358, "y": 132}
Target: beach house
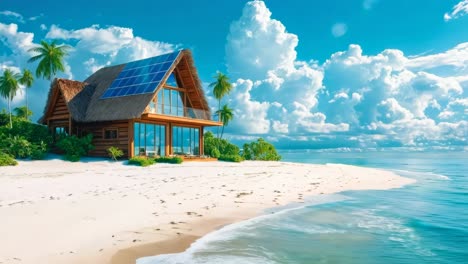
{"x": 151, "y": 107}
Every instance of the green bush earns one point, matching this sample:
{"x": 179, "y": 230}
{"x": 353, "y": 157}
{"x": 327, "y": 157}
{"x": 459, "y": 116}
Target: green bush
{"x": 231, "y": 158}
{"x": 260, "y": 150}
{"x": 39, "y": 151}
{"x": 215, "y": 153}
{"x": 7, "y": 160}
{"x": 172, "y": 160}
{"x": 33, "y": 133}
{"x": 115, "y": 153}
{"x": 4, "y": 143}
{"x": 4, "y": 118}
{"x": 222, "y": 146}
{"x": 141, "y": 161}
{"x": 18, "y": 147}
{"x": 74, "y": 147}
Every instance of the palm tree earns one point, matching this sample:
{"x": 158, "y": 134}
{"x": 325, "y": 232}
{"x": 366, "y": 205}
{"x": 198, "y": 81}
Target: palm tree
{"x": 221, "y": 87}
{"x": 226, "y": 115}
{"x": 9, "y": 86}
{"x": 23, "y": 112}
{"x": 27, "y": 80}
{"x": 51, "y": 58}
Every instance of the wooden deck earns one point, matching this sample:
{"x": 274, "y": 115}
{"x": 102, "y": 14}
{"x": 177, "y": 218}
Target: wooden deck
{"x": 197, "y": 158}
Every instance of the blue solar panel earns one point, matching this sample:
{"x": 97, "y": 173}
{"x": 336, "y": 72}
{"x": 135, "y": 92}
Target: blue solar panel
{"x": 141, "y": 77}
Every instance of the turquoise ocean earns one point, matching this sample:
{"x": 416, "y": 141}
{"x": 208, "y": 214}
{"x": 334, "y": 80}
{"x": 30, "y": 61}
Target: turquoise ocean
{"x": 426, "y": 222}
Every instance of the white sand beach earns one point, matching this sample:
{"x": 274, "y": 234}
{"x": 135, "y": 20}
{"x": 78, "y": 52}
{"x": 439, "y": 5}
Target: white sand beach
{"x": 103, "y": 212}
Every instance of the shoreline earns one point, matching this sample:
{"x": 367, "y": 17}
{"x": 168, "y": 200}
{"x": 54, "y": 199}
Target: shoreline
{"x": 173, "y": 244}
{"x": 105, "y": 212}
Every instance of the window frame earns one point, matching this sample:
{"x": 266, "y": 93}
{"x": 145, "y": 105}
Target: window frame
{"x": 105, "y": 130}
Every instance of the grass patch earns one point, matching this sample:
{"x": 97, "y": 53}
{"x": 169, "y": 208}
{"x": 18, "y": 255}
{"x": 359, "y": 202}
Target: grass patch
{"x": 141, "y": 161}
{"x": 7, "y": 160}
{"x": 172, "y": 160}
{"x": 231, "y": 158}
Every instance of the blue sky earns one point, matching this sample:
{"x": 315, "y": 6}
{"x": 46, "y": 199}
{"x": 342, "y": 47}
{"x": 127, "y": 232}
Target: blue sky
{"x": 309, "y": 74}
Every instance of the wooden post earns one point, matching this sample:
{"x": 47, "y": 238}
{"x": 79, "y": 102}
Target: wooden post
{"x": 131, "y": 141}
{"x": 70, "y": 125}
{"x": 168, "y": 139}
{"x": 201, "y": 142}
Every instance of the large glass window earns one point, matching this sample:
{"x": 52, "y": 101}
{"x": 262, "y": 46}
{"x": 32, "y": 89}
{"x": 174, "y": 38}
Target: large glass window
{"x": 185, "y": 140}
{"x": 169, "y": 102}
{"x": 149, "y": 139}
{"x": 172, "y": 81}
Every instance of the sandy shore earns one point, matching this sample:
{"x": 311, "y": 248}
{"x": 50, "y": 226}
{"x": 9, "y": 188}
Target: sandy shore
{"x": 103, "y": 212}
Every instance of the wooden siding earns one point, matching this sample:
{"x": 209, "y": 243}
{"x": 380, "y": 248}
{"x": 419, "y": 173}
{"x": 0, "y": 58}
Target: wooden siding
{"x": 100, "y": 143}
{"x": 59, "y": 114}
{"x": 60, "y": 107}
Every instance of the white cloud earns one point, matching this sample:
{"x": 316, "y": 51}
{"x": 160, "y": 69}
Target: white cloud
{"x": 261, "y": 54}
{"x": 97, "y": 46}
{"x": 456, "y": 57}
{"x": 93, "y": 47}
{"x": 16, "y": 16}
{"x": 18, "y": 42}
{"x": 43, "y": 27}
{"x": 339, "y": 30}
{"x": 378, "y": 100}
{"x": 259, "y": 43}
{"x": 458, "y": 11}
{"x": 34, "y": 18}
{"x": 279, "y": 127}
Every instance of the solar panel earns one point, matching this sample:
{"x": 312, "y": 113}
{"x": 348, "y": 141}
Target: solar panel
{"x": 141, "y": 77}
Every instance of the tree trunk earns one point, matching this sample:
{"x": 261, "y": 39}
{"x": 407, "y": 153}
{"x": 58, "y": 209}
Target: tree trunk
{"x": 219, "y": 117}
{"x": 9, "y": 110}
{"x": 27, "y": 108}
{"x": 222, "y": 131}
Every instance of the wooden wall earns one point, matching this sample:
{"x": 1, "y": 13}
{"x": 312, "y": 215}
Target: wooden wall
{"x": 60, "y": 108}
{"x": 100, "y": 143}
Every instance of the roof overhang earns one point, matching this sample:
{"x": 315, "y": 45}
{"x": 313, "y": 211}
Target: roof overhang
{"x": 180, "y": 120}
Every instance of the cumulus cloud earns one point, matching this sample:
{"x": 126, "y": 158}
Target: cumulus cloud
{"x": 92, "y": 48}
{"x": 106, "y": 46}
{"x": 261, "y": 54}
{"x": 351, "y": 100}
{"x": 339, "y": 30}
{"x": 18, "y": 42}
{"x": 16, "y": 16}
{"x": 458, "y": 10}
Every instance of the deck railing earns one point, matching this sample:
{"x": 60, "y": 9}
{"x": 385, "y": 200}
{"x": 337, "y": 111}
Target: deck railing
{"x": 187, "y": 112}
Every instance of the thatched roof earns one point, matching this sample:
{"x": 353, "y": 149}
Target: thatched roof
{"x": 69, "y": 89}
{"x": 84, "y": 98}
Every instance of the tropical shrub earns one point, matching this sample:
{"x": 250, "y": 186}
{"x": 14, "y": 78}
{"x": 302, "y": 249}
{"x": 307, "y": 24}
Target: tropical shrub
{"x": 4, "y": 118}
{"x": 231, "y": 158}
{"x": 33, "y": 133}
{"x": 172, "y": 160}
{"x": 115, "y": 153}
{"x": 7, "y": 160}
{"x": 222, "y": 146}
{"x": 18, "y": 147}
{"x": 215, "y": 153}
{"x": 4, "y": 142}
{"x": 141, "y": 161}
{"x": 260, "y": 150}
{"x": 74, "y": 147}
{"x": 39, "y": 151}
